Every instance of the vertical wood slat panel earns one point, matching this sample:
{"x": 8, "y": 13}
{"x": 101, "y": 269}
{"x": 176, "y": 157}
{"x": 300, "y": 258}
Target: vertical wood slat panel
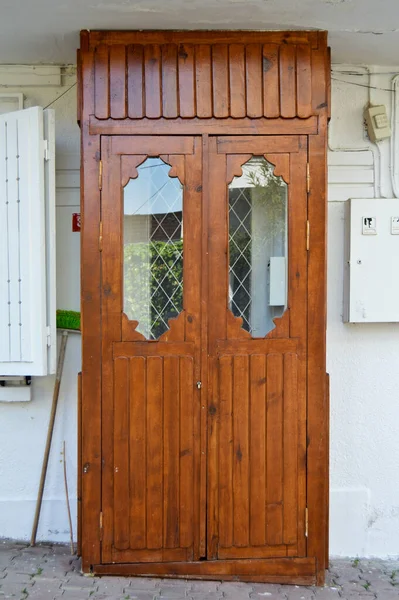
{"x": 287, "y": 81}
{"x": 117, "y": 81}
{"x": 220, "y": 80}
{"x": 203, "y": 81}
{"x": 169, "y": 81}
{"x": 271, "y": 89}
{"x": 254, "y": 80}
{"x": 101, "y": 82}
{"x": 226, "y": 452}
{"x": 258, "y": 450}
{"x": 154, "y": 508}
{"x": 186, "y": 515}
{"x": 138, "y": 463}
{"x": 186, "y": 80}
{"x": 135, "y": 81}
{"x": 4, "y": 228}
{"x": 171, "y": 451}
{"x": 152, "y": 74}
{"x": 237, "y": 80}
{"x": 304, "y": 81}
{"x": 14, "y": 241}
{"x": 241, "y": 450}
{"x": 290, "y": 449}
{"x": 121, "y": 454}
{"x": 274, "y": 452}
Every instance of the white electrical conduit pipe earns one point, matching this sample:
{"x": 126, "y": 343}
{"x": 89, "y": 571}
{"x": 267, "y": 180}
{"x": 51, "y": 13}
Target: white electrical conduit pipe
{"x": 395, "y": 130}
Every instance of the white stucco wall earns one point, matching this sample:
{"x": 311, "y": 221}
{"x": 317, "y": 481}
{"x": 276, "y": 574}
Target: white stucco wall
{"x": 363, "y": 360}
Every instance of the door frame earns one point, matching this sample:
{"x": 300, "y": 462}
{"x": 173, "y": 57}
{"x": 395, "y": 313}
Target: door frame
{"x": 94, "y": 47}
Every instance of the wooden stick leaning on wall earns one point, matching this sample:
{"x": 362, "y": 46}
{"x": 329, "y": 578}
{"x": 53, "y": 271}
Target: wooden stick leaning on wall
{"x": 50, "y": 430}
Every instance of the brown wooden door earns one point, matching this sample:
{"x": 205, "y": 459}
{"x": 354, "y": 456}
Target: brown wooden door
{"x": 204, "y": 305}
{"x": 257, "y": 310}
{"x": 151, "y": 194}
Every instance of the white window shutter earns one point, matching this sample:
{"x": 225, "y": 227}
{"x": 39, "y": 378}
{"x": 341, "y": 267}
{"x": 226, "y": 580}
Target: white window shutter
{"x": 27, "y": 243}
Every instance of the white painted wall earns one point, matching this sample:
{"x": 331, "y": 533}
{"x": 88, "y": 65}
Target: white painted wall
{"x": 23, "y": 426}
{"x": 363, "y": 360}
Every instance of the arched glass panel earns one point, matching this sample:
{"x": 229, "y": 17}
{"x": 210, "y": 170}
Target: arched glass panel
{"x": 258, "y": 246}
{"x": 153, "y": 248}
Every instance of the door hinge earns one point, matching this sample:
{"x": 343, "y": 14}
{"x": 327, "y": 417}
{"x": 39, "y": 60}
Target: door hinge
{"x": 101, "y": 525}
{"x": 306, "y": 522}
{"x": 307, "y": 235}
{"x": 307, "y": 178}
{"x": 100, "y": 175}
{"x": 48, "y": 333}
{"x": 100, "y": 237}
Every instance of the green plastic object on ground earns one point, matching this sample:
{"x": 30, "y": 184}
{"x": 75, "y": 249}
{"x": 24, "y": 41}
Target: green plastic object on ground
{"x": 68, "y": 319}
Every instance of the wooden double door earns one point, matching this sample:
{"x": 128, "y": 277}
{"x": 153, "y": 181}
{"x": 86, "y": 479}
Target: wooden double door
{"x": 204, "y": 282}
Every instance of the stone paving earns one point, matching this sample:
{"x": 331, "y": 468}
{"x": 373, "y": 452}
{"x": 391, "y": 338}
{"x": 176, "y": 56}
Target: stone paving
{"x": 49, "y": 572}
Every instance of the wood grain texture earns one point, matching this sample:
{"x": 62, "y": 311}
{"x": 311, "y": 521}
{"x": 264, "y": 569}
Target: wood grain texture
{"x": 228, "y": 460}
{"x": 233, "y": 76}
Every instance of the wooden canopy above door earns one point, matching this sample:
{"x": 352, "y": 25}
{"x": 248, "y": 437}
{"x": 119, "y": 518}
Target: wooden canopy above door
{"x": 204, "y": 104}
{"x": 208, "y": 74}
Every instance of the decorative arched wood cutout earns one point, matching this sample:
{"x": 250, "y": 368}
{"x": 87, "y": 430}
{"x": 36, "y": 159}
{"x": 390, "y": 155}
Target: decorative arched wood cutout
{"x": 282, "y": 326}
{"x": 281, "y": 163}
{"x": 176, "y": 331}
{"x": 176, "y": 325}
{"x": 129, "y": 164}
{"x": 176, "y": 161}
{"x": 235, "y": 330}
{"x": 234, "y": 168}
{"x": 234, "y": 165}
{"x": 129, "y": 333}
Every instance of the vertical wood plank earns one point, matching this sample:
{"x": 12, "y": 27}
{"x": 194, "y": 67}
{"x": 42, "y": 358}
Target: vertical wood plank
{"x": 237, "y": 80}
{"x": 154, "y": 452}
{"x": 152, "y": 76}
{"x": 79, "y": 461}
{"x": 186, "y": 452}
{"x": 226, "y": 452}
{"x": 135, "y": 79}
{"x": 298, "y": 301}
{"x": 203, "y": 80}
{"x": 287, "y": 81}
{"x": 138, "y": 459}
{"x": 317, "y": 413}
{"x": 121, "y": 454}
{"x": 274, "y": 460}
{"x": 254, "y": 83}
{"x": 169, "y": 81}
{"x": 258, "y": 450}
{"x": 101, "y": 82}
{"x": 241, "y": 450}
{"x": 304, "y": 81}
{"x": 220, "y": 80}
{"x": 217, "y": 245}
{"x": 271, "y": 81}
{"x": 91, "y": 317}
{"x": 290, "y": 437}
{"x": 171, "y": 451}
{"x": 117, "y": 78}
{"x": 192, "y": 221}
{"x": 186, "y": 80}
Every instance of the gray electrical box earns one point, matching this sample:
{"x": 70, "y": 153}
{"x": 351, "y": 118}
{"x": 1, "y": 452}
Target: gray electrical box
{"x": 371, "y": 289}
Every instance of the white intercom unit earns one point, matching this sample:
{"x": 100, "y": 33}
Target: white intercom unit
{"x": 371, "y": 290}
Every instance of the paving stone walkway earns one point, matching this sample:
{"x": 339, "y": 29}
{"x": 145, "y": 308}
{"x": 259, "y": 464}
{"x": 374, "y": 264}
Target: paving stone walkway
{"x": 49, "y": 572}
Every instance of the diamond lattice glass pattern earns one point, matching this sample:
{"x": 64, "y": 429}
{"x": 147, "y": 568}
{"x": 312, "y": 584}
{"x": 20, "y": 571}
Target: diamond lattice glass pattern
{"x": 257, "y": 246}
{"x": 153, "y": 248}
